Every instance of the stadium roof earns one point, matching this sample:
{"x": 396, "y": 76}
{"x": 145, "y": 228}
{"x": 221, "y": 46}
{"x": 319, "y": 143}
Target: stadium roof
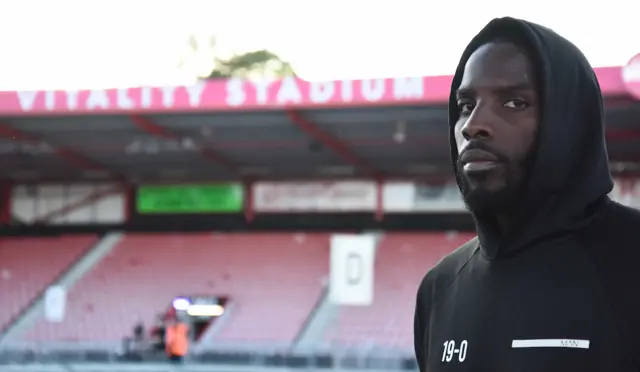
{"x": 224, "y": 130}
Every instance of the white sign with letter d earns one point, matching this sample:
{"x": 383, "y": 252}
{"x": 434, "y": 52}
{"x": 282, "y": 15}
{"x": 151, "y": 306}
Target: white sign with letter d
{"x": 55, "y": 300}
{"x": 352, "y": 269}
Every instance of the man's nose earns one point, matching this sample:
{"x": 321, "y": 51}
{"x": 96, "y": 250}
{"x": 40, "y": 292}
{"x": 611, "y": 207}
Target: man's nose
{"x": 478, "y": 124}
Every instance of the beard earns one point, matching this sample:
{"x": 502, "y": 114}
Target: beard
{"x": 481, "y": 199}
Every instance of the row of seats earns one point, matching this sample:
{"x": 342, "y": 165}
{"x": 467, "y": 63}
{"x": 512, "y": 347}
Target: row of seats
{"x": 144, "y": 273}
{"x": 28, "y": 265}
{"x": 273, "y": 281}
{"x": 401, "y": 262}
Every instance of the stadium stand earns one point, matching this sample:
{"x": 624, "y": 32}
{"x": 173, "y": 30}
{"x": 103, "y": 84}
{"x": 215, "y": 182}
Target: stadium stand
{"x": 402, "y": 260}
{"x": 29, "y": 265}
{"x": 272, "y": 281}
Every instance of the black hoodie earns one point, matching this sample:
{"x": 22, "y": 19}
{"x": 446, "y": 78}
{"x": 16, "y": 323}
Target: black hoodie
{"x": 562, "y": 292}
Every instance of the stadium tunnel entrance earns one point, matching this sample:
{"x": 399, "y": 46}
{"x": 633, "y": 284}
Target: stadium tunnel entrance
{"x": 199, "y": 311}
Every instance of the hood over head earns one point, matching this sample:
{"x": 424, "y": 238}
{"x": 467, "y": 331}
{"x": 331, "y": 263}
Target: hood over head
{"x": 569, "y": 177}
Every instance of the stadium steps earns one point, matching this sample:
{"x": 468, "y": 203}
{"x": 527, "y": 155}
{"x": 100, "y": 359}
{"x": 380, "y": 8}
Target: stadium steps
{"x": 402, "y": 259}
{"x": 320, "y": 318}
{"x": 324, "y": 314}
{"x": 209, "y": 335}
{"x": 36, "y": 311}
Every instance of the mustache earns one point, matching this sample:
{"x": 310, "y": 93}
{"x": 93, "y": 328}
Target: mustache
{"x": 479, "y": 145}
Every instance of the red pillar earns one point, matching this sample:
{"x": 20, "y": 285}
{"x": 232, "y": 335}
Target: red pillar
{"x": 248, "y": 201}
{"x": 5, "y": 195}
{"x": 379, "y": 206}
{"x": 129, "y": 202}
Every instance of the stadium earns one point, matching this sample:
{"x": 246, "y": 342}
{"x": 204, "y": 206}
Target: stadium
{"x": 291, "y": 221}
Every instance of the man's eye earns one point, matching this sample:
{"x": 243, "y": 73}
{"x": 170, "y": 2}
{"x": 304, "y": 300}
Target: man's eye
{"x": 516, "y": 104}
{"x": 465, "y": 108}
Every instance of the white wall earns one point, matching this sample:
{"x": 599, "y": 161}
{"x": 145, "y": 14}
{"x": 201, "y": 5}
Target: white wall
{"x": 411, "y": 197}
{"x": 330, "y": 196}
{"x": 31, "y": 202}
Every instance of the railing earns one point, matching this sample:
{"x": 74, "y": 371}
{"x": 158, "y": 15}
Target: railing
{"x": 353, "y": 359}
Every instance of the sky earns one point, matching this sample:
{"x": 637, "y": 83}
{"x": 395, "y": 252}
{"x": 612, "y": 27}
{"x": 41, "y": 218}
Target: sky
{"x": 83, "y": 44}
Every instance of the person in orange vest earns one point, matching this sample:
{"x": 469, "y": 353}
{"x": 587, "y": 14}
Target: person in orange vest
{"x": 176, "y": 340}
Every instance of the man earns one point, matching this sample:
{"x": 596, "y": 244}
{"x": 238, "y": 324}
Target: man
{"x": 138, "y": 331}
{"x": 158, "y": 333}
{"x": 176, "y": 339}
{"x": 551, "y": 282}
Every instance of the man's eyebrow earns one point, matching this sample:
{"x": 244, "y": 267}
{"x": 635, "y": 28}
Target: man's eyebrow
{"x": 464, "y": 92}
{"x": 469, "y": 91}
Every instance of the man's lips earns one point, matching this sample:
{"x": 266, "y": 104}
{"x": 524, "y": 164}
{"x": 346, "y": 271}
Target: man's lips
{"x": 475, "y": 155}
{"x": 479, "y": 166}
{"x": 474, "y": 161}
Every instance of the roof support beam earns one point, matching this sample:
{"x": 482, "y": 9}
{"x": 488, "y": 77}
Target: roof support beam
{"x": 333, "y": 143}
{"x": 150, "y": 127}
{"x": 77, "y": 160}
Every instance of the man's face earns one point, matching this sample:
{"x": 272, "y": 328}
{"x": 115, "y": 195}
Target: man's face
{"x": 495, "y": 133}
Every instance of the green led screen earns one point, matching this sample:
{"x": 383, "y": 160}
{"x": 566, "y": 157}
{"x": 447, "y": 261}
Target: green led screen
{"x": 215, "y": 198}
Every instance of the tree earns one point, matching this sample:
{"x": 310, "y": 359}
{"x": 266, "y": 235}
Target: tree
{"x": 259, "y": 63}
{"x": 202, "y": 60}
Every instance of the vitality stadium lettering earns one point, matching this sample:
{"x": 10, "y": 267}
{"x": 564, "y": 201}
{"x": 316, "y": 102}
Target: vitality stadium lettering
{"x": 233, "y": 93}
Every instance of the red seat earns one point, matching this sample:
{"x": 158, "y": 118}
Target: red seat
{"x": 29, "y": 265}
{"x": 272, "y": 280}
{"x": 402, "y": 260}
